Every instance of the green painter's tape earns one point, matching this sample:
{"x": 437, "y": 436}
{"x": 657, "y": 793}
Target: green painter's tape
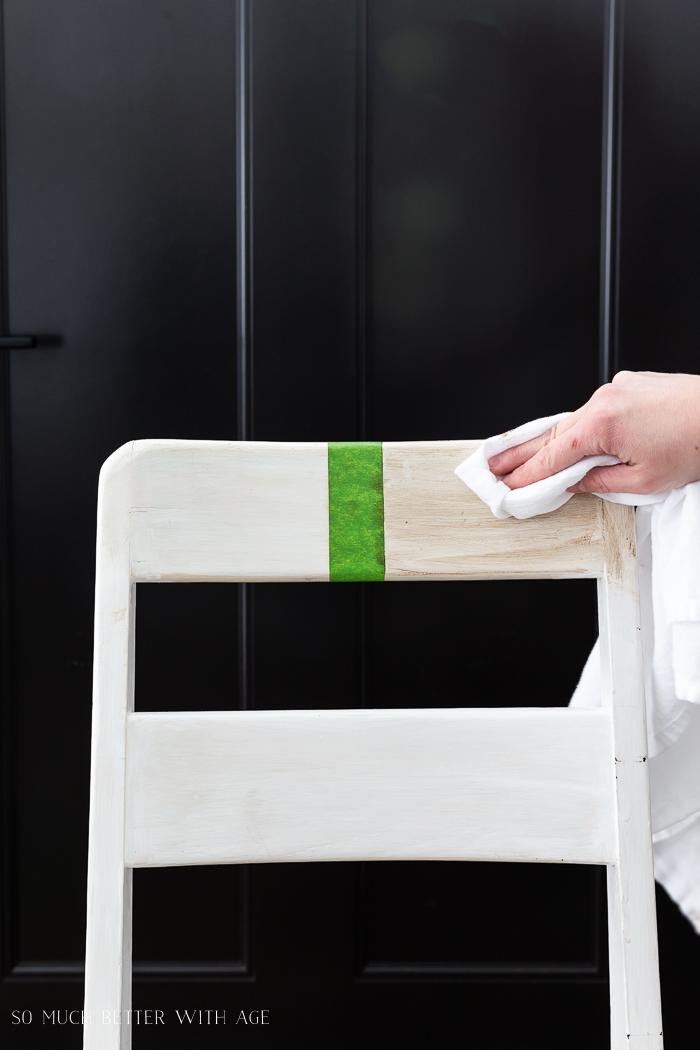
{"x": 355, "y": 511}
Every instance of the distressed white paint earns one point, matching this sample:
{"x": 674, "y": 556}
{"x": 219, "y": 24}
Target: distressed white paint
{"x": 229, "y": 510}
{"x": 634, "y": 992}
{"x": 436, "y": 529}
{"x": 512, "y": 784}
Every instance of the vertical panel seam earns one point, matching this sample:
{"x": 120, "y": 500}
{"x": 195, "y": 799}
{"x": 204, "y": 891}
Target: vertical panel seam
{"x": 611, "y": 185}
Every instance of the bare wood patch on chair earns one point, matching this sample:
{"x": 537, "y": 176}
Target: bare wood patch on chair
{"x": 435, "y": 528}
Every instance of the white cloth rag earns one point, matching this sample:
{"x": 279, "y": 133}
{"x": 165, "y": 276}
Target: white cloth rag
{"x": 668, "y": 555}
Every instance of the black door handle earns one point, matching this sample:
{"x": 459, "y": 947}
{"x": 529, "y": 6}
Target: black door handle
{"x": 17, "y": 342}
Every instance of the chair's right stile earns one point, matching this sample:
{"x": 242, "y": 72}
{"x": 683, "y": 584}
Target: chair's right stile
{"x": 634, "y": 968}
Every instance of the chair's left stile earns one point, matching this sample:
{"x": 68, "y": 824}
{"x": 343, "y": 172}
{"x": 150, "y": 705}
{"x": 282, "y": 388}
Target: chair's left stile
{"x": 108, "y": 949}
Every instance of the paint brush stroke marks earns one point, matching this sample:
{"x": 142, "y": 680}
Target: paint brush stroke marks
{"x": 356, "y": 511}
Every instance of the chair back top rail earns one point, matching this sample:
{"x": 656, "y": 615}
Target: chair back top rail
{"x": 317, "y": 511}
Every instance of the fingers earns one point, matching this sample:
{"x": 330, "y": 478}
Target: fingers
{"x": 560, "y": 452}
{"x": 513, "y": 458}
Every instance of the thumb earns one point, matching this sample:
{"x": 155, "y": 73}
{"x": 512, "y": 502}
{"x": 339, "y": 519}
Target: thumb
{"x": 620, "y": 478}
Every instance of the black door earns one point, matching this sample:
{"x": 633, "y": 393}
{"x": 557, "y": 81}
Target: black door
{"x": 376, "y": 219}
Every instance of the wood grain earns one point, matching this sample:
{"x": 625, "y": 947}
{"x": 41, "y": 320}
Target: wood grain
{"x": 436, "y": 528}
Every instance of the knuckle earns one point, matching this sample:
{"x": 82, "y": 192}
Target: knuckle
{"x": 603, "y": 403}
{"x": 547, "y": 438}
{"x": 603, "y": 419}
{"x": 546, "y": 457}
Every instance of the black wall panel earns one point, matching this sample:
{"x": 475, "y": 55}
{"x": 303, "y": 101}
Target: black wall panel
{"x": 660, "y": 211}
{"x": 121, "y": 259}
{"x": 484, "y": 186}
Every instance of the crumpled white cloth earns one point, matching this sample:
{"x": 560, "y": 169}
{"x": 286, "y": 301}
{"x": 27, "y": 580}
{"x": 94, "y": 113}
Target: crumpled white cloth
{"x": 668, "y": 555}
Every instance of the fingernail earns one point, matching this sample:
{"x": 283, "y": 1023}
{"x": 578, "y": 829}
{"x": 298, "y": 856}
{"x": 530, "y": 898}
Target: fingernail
{"x": 494, "y": 461}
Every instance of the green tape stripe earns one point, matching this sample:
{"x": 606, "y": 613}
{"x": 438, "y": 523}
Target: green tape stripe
{"x": 355, "y": 511}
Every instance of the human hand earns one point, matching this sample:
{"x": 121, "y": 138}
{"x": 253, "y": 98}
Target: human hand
{"x": 649, "y": 420}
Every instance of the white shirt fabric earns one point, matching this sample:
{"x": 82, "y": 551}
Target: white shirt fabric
{"x": 668, "y": 556}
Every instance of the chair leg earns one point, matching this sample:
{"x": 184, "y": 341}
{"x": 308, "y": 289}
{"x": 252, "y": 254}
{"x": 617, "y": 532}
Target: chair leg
{"x": 635, "y": 1002}
{"x": 108, "y": 961}
{"x": 635, "y": 998}
{"x": 108, "y": 947}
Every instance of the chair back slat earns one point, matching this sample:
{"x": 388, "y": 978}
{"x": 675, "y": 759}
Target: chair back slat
{"x": 522, "y": 784}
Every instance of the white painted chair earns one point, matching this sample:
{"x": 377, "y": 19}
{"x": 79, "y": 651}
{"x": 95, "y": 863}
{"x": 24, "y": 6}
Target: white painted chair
{"x": 516, "y": 784}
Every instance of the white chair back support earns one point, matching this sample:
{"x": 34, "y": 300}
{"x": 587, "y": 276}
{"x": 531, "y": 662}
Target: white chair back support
{"x": 515, "y": 784}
